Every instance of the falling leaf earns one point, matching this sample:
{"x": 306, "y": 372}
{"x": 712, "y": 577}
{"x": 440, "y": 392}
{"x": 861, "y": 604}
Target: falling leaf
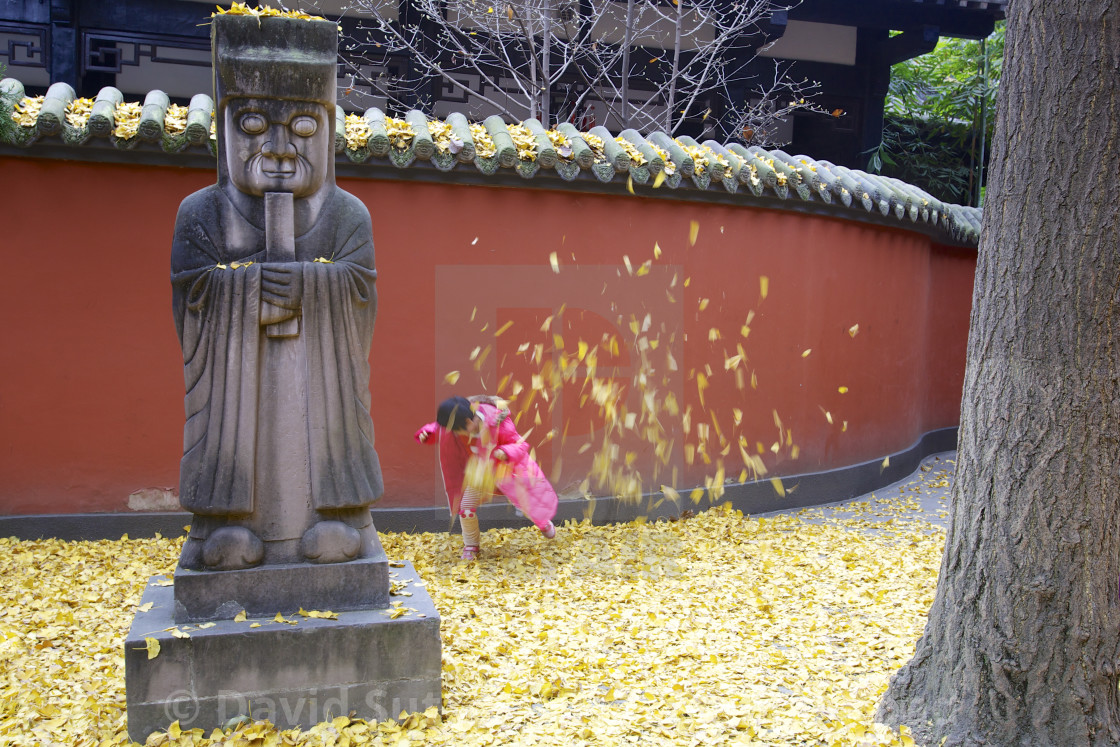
{"x": 552, "y": 260}
{"x": 693, "y": 232}
{"x": 805, "y": 353}
{"x": 498, "y": 332}
{"x": 843, "y": 390}
{"x": 656, "y": 251}
{"x": 701, "y": 385}
{"x": 853, "y": 330}
{"x": 153, "y": 647}
{"x": 630, "y": 184}
{"x": 763, "y": 286}
{"x": 451, "y": 377}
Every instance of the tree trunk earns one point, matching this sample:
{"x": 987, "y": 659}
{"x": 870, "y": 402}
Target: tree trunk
{"x": 546, "y": 66}
{"x": 627, "y": 40}
{"x": 671, "y": 96}
{"x": 1022, "y": 645}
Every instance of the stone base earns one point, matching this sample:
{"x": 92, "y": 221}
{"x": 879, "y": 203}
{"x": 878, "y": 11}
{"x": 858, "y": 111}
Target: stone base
{"x": 268, "y": 589}
{"x": 291, "y": 674}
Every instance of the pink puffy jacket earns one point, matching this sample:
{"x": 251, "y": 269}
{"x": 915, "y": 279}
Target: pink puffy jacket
{"x": 525, "y": 485}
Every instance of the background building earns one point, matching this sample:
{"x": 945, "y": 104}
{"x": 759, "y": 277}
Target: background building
{"x": 847, "y": 46}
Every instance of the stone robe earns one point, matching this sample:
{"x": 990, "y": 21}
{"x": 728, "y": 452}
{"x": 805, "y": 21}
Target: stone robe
{"x": 311, "y": 391}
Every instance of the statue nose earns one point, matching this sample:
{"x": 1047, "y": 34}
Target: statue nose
{"x": 279, "y": 143}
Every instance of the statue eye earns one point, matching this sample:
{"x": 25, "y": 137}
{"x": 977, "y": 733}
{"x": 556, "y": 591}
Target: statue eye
{"x": 304, "y": 126}
{"x": 253, "y": 124}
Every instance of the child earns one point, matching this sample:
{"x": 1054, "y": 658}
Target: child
{"x": 480, "y": 451}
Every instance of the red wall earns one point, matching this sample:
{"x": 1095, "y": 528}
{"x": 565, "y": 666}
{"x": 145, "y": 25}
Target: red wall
{"x": 91, "y": 377}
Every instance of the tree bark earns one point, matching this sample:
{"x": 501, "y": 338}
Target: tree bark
{"x": 1022, "y": 644}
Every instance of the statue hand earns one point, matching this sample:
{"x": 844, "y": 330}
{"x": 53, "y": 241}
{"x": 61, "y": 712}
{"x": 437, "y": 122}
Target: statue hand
{"x": 282, "y": 285}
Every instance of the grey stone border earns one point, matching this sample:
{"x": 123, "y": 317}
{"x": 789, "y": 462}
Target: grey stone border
{"x": 812, "y": 489}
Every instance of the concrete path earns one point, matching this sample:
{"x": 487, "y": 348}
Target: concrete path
{"x": 922, "y": 495}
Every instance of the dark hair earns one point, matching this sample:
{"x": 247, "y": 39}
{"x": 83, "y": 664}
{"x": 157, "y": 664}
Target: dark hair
{"x": 454, "y": 413}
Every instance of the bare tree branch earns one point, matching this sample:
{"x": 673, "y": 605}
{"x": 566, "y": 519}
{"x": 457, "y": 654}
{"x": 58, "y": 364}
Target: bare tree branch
{"x": 550, "y": 59}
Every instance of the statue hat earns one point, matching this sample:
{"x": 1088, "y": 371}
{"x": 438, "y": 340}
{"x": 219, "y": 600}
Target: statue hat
{"x": 274, "y": 57}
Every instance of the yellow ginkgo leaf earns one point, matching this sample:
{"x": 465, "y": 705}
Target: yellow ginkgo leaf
{"x": 693, "y": 232}
{"x": 152, "y": 645}
{"x": 451, "y": 378}
{"x": 763, "y": 286}
{"x": 240, "y": 617}
{"x": 853, "y": 330}
{"x": 552, "y": 260}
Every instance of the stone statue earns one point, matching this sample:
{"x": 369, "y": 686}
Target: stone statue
{"x": 272, "y": 271}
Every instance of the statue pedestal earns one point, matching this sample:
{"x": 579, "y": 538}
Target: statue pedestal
{"x": 360, "y": 584}
{"x": 298, "y": 674}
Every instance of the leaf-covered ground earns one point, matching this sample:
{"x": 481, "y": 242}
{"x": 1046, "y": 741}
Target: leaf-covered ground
{"x": 713, "y": 629}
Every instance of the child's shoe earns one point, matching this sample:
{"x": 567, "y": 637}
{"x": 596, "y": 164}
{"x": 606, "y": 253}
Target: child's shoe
{"x": 469, "y": 553}
{"x": 549, "y": 531}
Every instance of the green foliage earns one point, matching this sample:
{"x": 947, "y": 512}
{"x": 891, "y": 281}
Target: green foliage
{"x": 932, "y": 155}
{"x": 939, "y": 112}
{"x": 949, "y": 82}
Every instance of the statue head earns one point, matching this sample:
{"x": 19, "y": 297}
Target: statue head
{"x": 275, "y": 83}
{"x": 276, "y": 145}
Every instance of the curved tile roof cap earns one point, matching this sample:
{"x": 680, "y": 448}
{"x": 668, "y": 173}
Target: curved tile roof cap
{"x": 494, "y": 146}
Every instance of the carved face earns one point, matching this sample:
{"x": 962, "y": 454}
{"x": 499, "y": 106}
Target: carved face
{"x": 277, "y": 146}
